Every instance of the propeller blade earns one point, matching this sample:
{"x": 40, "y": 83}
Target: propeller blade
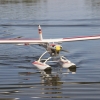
{"x": 64, "y": 50}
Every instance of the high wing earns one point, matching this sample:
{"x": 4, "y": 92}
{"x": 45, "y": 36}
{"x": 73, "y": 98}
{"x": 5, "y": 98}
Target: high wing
{"x": 20, "y": 41}
{"x": 39, "y": 41}
{"x": 81, "y": 38}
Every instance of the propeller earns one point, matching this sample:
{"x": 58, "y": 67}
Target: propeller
{"x": 64, "y": 50}
{"x": 58, "y": 48}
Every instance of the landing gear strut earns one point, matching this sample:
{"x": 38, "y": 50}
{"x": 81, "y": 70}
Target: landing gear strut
{"x": 41, "y": 63}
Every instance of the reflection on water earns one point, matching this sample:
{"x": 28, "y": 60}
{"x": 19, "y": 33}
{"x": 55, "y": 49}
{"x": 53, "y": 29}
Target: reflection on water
{"x": 54, "y": 80}
{"x": 49, "y": 77}
{"x": 50, "y": 85}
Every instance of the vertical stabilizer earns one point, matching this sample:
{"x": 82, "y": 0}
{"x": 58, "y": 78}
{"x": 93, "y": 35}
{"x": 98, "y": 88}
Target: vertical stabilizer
{"x": 40, "y": 32}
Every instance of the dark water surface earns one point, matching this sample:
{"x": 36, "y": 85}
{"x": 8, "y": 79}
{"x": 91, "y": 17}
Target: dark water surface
{"x": 19, "y": 79}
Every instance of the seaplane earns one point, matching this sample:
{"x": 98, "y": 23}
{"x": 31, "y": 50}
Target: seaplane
{"x": 52, "y": 46}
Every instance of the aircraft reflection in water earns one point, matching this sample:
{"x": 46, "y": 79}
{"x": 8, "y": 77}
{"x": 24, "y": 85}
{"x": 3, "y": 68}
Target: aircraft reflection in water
{"x": 50, "y": 76}
{"x": 53, "y": 79}
{"x": 50, "y": 85}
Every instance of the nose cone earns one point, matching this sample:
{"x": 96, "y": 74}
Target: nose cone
{"x": 58, "y": 47}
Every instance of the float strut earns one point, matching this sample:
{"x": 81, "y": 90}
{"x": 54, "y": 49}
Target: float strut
{"x": 42, "y": 55}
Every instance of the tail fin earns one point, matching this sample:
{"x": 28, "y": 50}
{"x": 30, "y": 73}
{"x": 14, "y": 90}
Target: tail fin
{"x": 40, "y": 32}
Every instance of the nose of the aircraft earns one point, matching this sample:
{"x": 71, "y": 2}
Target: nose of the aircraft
{"x": 58, "y": 47}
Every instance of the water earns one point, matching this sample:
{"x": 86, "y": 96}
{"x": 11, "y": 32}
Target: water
{"x": 19, "y": 79}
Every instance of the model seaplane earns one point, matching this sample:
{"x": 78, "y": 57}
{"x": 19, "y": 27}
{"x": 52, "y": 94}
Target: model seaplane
{"x": 52, "y": 47}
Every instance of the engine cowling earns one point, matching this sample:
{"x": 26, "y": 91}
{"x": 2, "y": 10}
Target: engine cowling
{"x": 54, "y": 49}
